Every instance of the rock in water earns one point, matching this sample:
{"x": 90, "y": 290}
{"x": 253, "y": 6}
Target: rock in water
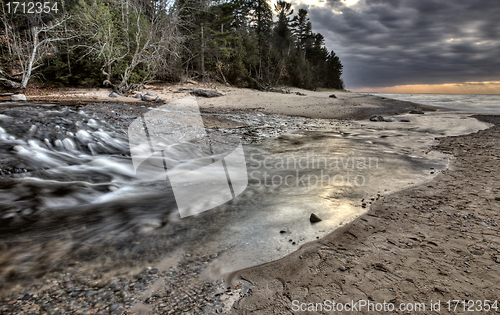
{"x": 333, "y": 96}
{"x": 416, "y": 111}
{"x": 314, "y": 218}
{"x": 18, "y": 97}
{"x": 113, "y": 94}
{"x": 205, "y": 93}
{"x": 377, "y": 118}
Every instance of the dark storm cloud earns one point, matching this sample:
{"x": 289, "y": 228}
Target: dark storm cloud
{"x": 399, "y": 42}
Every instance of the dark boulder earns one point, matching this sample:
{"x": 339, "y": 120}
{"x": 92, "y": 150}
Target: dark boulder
{"x": 148, "y": 98}
{"x": 205, "y": 93}
{"x": 377, "y": 118}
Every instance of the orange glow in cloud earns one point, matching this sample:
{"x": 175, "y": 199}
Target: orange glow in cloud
{"x": 486, "y": 87}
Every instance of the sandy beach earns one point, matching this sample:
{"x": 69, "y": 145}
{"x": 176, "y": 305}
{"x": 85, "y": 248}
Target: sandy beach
{"x": 434, "y": 242}
{"x": 291, "y": 101}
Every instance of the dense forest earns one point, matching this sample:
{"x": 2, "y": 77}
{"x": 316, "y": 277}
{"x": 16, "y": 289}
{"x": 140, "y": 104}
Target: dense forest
{"x": 125, "y": 44}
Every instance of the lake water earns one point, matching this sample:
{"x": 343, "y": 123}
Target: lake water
{"x": 484, "y": 103}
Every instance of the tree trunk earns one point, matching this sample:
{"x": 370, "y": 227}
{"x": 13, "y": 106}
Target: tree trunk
{"x": 202, "y": 55}
{"x": 27, "y": 73}
{"x": 259, "y": 37}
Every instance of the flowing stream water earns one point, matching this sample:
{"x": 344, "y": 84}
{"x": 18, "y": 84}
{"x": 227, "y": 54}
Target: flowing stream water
{"x": 69, "y": 193}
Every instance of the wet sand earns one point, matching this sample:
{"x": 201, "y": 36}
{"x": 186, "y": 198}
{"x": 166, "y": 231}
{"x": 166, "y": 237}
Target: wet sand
{"x": 435, "y": 242}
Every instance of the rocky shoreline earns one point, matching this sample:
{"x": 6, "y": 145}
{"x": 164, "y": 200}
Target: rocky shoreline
{"x": 176, "y": 290}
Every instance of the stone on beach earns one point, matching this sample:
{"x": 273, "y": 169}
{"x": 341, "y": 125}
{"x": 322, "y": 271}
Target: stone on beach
{"x": 113, "y": 94}
{"x": 333, "y": 96}
{"x": 149, "y": 98}
{"x": 314, "y": 218}
{"x": 18, "y": 97}
{"x": 416, "y": 111}
{"x": 377, "y": 118}
{"x": 205, "y": 93}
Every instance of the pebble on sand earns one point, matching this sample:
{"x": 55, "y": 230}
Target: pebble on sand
{"x": 416, "y": 111}
{"x": 205, "y": 93}
{"x": 314, "y": 218}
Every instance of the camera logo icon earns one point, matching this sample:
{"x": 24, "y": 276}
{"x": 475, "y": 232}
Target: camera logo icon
{"x": 205, "y": 170}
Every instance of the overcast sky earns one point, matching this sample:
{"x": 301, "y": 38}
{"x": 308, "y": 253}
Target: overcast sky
{"x": 410, "y": 42}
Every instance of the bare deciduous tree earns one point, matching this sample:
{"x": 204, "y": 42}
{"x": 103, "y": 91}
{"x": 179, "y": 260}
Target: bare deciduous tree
{"x": 30, "y": 38}
{"x": 144, "y": 37}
